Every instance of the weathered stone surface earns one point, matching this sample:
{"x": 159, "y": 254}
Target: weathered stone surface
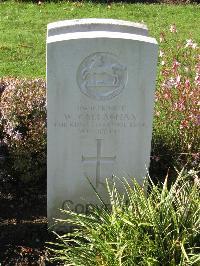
{"x": 100, "y": 110}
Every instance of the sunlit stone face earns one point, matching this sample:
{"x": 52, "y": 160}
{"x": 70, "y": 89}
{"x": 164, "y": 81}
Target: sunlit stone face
{"x": 100, "y": 106}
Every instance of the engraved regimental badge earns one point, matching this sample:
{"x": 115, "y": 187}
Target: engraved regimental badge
{"x": 101, "y": 77}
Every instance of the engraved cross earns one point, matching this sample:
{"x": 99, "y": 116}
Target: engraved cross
{"x": 98, "y": 160}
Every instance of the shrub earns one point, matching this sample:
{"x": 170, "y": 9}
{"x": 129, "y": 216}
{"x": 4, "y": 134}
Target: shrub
{"x": 177, "y": 109}
{"x": 23, "y": 122}
{"x": 161, "y": 229}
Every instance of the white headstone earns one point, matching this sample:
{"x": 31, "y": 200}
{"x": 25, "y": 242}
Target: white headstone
{"x": 96, "y": 24}
{"x": 100, "y": 108}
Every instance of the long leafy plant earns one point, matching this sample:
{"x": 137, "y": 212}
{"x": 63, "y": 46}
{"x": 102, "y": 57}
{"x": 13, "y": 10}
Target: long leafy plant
{"x": 161, "y": 227}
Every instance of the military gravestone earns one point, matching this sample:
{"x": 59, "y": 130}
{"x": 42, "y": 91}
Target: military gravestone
{"x": 100, "y": 80}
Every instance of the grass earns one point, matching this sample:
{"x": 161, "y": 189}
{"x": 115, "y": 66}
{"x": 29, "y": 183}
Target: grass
{"x": 23, "y": 27}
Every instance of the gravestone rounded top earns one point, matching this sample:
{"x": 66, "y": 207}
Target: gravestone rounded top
{"x": 96, "y": 24}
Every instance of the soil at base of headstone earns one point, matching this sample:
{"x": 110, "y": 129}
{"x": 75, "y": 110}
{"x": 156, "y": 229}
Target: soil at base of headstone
{"x": 23, "y": 225}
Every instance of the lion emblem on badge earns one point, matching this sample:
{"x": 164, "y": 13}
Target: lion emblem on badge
{"x": 101, "y": 77}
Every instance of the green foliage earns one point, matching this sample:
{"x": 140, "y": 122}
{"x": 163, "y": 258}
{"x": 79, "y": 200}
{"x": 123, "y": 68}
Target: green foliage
{"x": 177, "y": 113}
{"x": 162, "y": 228}
{"x": 175, "y": 135}
{"x": 23, "y": 122}
{"x": 23, "y": 27}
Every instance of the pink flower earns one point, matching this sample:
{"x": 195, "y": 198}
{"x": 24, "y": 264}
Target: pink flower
{"x": 169, "y": 83}
{"x": 184, "y": 124}
{"x": 197, "y": 79}
{"x": 178, "y": 80}
{"x": 190, "y": 43}
{"x": 179, "y": 106}
{"x": 187, "y": 83}
{"x": 198, "y": 120}
{"x": 198, "y": 66}
{"x": 173, "y": 28}
{"x": 176, "y": 64}
{"x": 172, "y": 82}
{"x": 166, "y": 96}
